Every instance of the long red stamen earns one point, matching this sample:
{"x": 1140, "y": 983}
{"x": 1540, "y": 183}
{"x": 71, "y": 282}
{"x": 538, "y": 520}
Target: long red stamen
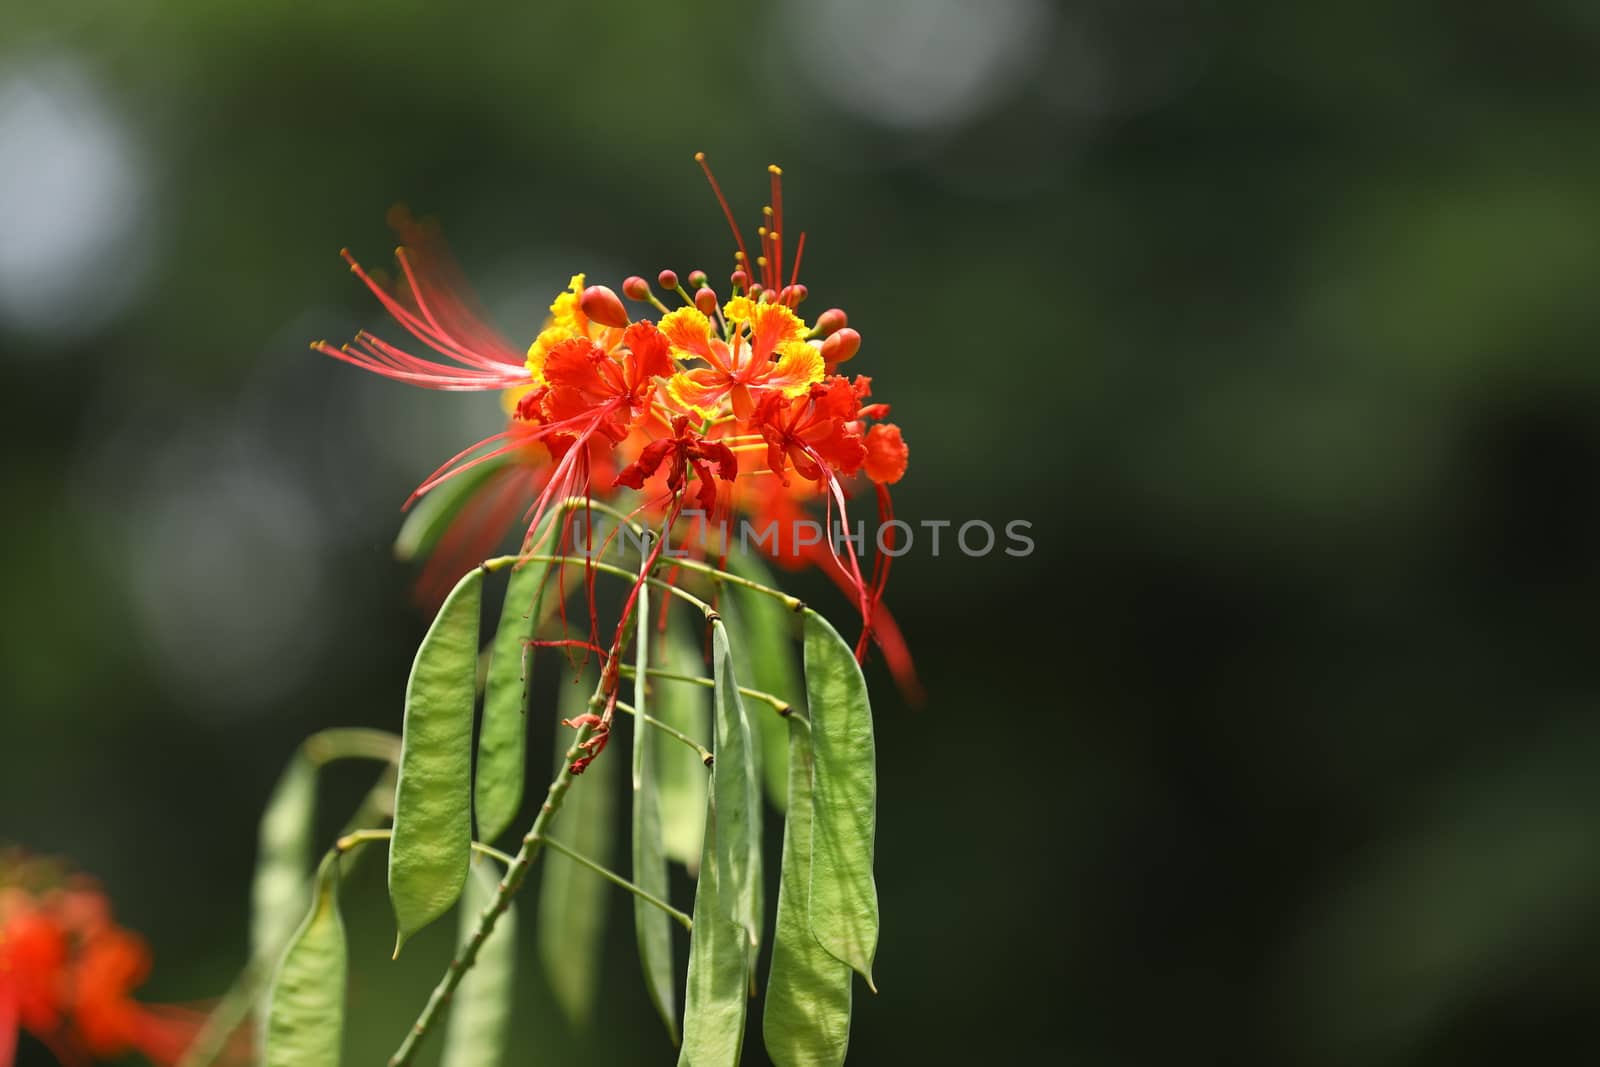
{"x": 490, "y": 362}
{"x": 799, "y": 250}
{"x": 441, "y": 343}
{"x": 700, "y": 158}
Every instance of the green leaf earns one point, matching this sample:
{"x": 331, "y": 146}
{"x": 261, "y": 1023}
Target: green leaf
{"x": 769, "y": 636}
{"x": 432, "y": 843}
{"x": 738, "y": 803}
{"x": 480, "y": 1013}
{"x": 807, "y": 1017}
{"x": 687, "y": 708}
{"x": 573, "y": 900}
{"x": 305, "y": 1013}
{"x": 715, "y": 997}
{"x": 844, "y": 899}
{"x": 652, "y": 927}
{"x": 503, "y": 735}
{"x": 431, "y": 516}
{"x": 278, "y": 895}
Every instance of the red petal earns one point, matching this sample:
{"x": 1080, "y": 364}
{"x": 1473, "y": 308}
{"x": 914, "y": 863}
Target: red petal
{"x": 887, "y": 454}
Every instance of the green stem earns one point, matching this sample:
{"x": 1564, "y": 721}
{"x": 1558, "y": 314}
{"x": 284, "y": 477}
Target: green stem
{"x": 778, "y": 704}
{"x": 617, "y": 879}
{"x": 351, "y": 742}
{"x": 356, "y": 838}
{"x": 700, "y": 750}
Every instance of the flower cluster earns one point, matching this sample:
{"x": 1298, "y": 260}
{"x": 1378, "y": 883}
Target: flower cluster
{"x": 68, "y": 972}
{"x": 740, "y": 396}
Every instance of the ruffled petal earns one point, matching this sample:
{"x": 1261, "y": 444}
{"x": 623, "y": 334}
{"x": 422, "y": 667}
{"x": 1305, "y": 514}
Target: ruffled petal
{"x": 772, "y": 325}
{"x": 887, "y": 454}
{"x": 799, "y": 367}
{"x": 688, "y": 331}
{"x": 701, "y": 389}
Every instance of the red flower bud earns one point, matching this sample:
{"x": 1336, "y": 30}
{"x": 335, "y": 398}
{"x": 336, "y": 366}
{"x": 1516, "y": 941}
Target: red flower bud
{"x": 797, "y": 294}
{"x": 841, "y": 346}
{"x": 603, "y": 306}
{"x": 668, "y": 279}
{"x": 831, "y": 321}
{"x": 706, "y": 301}
{"x": 697, "y": 279}
{"x": 739, "y": 279}
{"x": 635, "y": 288}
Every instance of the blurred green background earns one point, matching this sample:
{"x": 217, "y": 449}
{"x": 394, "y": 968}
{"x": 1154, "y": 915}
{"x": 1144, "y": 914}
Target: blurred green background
{"x": 1277, "y": 321}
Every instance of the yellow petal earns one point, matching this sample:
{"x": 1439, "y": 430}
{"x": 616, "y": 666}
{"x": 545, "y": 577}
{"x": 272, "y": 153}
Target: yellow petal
{"x": 799, "y": 367}
{"x": 687, "y": 331}
{"x": 739, "y": 309}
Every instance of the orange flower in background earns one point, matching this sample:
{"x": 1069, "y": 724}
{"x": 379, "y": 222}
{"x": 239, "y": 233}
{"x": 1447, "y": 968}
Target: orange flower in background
{"x": 68, "y": 972}
{"x": 735, "y": 393}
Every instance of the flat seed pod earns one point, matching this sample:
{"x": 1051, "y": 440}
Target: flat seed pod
{"x": 737, "y": 799}
{"x": 278, "y": 895}
{"x": 844, "y": 802}
{"x": 686, "y": 708}
{"x": 480, "y": 1011}
{"x": 807, "y": 1018}
{"x": 432, "y": 843}
{"x": 716, "y": 996}
{"x": 652, "y": 926}
{"x": 305, "y": 1014}
{"x": 573, "y": 901}
{"x": 769, "y": 632}
{"x": 503, "y": 734}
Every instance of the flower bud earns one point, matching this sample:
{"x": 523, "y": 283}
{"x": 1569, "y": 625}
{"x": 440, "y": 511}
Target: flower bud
{"x": 635, "y": 288}
{"x": 697, "y": 279}
{"x": 603, "y": 306}
{"x": 668, "y": 280}
{"x": 739, "y": 279}
{"x": 798, "y": 294}
{"x": 706, "y": 300}
{"x": 831, "y": 322}
{"x": 841, "y": 346}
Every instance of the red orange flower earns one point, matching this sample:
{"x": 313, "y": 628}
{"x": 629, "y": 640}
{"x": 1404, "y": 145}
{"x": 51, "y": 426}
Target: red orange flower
{"x": 68, "y": 972}
{"x": 656, "y": 401}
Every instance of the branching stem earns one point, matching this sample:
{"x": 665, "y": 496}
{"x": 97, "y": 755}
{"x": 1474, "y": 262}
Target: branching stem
{"x": 617, "y": 879}
{"x": 777, "y": 703}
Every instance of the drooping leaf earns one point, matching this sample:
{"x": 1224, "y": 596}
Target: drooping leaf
{"x": 844, "y": 897}
{"x": 686, "y": 708}
{"x": 429, "y": 517}
{"x": 503, "y": 735}
{"x": 770, "y": 631}
{"x": 572, "y": 899}
{"x": 278, "y": 894}
{"x": 738, "y": 801}
{"x": 432, "y": 843}
{"x": 716, "y": 995}
{"x": 807, "y": 1018}
{"x": 652, "y": 926}
{"x": 480, "y": 1012}
{"x": 305, "y": 1012}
